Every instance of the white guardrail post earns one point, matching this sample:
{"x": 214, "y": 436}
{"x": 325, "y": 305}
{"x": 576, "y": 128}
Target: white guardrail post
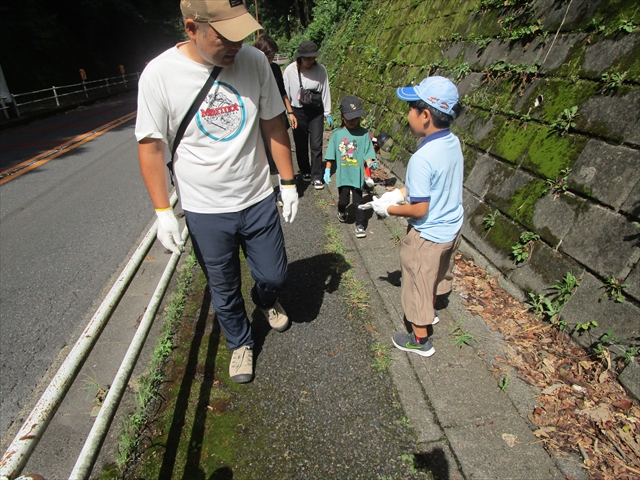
{"x": 87, "y": 458}
{"x": 32, "y": 430}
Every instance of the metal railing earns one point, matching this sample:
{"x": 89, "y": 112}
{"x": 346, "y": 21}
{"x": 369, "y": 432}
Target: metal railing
{"x": 32, "y": 430}
{"x": 65, "y": 94}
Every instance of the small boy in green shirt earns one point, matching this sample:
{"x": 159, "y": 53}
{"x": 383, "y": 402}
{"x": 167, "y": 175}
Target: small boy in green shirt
{"x": 351, "y": 148}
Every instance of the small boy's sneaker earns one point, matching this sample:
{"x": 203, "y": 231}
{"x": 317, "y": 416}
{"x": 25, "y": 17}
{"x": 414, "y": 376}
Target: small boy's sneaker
{"x": 360, "y": 231}
{"x": 407, "y": 343}
{"x": 342, "y": 217}
{"x": 306, "y": 177}
{"x": 318, "y": 184}
{"x": 435, "y": 319}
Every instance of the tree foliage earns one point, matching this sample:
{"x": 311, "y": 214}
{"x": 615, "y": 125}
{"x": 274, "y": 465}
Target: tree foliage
{"x": 46, "y": 43}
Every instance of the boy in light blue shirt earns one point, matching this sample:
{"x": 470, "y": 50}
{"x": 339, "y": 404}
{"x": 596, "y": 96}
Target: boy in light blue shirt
{"x": 432, "y": 199}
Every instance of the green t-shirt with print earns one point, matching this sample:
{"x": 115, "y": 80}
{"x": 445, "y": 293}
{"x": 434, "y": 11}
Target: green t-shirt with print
{"x": 349, "y": 149}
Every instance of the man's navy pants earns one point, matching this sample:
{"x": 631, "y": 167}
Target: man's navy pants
{"x": 217, "y": 238}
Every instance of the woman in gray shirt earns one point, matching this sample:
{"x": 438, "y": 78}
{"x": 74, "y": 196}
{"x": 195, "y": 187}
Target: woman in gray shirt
{"x": 307, "y": 73}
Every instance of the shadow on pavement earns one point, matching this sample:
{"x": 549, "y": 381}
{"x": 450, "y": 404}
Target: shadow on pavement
{"x": 191, "y": 372}
{"x": 302, "y": 298}
{"x": 434, "y": 461}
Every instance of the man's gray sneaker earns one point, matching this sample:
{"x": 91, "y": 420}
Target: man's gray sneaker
{"x": 407, "y": 342}
{"x": 277, "y": 317}
{"x": 241, "y": 365}
{"x": 360, "y": 231}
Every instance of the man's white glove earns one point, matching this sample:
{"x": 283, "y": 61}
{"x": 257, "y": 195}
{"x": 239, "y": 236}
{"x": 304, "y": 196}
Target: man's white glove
{"x": 394, "y": 197}
{"x": 289, "y": 196}
{"x": 379, "y": 206}
{"x": 169, "y": 230}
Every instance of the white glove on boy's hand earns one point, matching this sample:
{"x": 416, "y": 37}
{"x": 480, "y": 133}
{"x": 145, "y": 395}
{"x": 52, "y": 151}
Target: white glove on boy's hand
{"x": 394, "y": 197}
{"x": 379, "y": 206}
{"x": 169, "y": 231}
{"x": 289, "y": 196}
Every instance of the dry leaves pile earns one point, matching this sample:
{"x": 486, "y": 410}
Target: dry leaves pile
{"x": 581, "y": 408}
{"x": 380, "y": 176}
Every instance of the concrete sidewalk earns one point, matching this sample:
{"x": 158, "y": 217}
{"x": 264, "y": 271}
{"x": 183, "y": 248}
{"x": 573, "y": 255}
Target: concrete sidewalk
{"x": 466, "y": 426}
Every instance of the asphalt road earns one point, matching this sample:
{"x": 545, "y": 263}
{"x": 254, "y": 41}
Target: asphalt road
{"x": 66, "y": 229}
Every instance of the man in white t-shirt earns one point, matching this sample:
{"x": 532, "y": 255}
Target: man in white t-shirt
{"x": 220, "y": 164}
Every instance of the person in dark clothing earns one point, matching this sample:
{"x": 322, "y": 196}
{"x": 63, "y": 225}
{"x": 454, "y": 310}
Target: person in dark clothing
{"x": 269, "y": 47}
{"x": 309, "y": 75}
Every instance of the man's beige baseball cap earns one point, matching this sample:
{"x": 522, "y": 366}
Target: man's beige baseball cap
{"x": 229, "y": 17}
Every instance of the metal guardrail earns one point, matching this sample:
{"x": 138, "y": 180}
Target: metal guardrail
{"x": 60, "y": 94}
{"x": 280, "y": 59}
{"x": 32, "y": 430}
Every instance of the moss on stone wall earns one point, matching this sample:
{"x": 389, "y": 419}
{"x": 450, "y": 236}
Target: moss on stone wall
{"x": 519, "y": 69}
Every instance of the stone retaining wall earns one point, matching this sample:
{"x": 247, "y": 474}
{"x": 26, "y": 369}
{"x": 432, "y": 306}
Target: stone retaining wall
{"x": 533, "y": 162}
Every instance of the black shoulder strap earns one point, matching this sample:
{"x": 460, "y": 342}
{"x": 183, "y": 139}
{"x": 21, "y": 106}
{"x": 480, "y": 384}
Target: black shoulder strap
{"x": 190, "y": 114}
{"x": 299, "y": 78}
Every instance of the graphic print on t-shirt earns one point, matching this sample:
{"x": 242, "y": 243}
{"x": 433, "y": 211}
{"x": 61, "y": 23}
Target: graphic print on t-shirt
{"x": 348, "y": 149}
{"x": 222, "y": 114}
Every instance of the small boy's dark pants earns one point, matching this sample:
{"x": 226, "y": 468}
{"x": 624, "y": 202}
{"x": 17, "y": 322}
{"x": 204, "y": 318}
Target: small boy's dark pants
{"x": 343, "y": 201}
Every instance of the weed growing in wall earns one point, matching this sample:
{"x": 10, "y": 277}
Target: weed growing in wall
{"x": 566, "y": 120}
{"x": 611, "y": 81}
{"x": 548, "y": 307}
{"x": 489, "y": 220}
{"x": 522, "y": 250}
{"x": 559, "y": 185}
{"x": 613, "y": 288}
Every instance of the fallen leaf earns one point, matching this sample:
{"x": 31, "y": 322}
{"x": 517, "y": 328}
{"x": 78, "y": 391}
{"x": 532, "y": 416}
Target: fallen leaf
{"x": 629, "y": 440}
{"x": 552, "y": 388}
{"x": 599, "y": 414}
{"x": 544, "y": 431}
{"x": 510, "y": 439}
{"x": 622, "y": 404}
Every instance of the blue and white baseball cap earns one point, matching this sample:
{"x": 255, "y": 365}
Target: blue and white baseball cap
{"x": 439, "y": 92}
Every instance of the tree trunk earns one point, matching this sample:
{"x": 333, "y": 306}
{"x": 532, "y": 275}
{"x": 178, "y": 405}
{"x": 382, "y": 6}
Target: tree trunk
{"x": 296, "y": 11}
{"x": 307, "y": 14}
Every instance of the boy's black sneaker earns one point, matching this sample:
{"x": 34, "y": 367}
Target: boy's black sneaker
{"x": 360, "y": 231}
{"x": 342, "y": 217}
{"x": 306, "y": 177}
{"x": 318, "y": 184}
{"x": 407, "y": 342}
